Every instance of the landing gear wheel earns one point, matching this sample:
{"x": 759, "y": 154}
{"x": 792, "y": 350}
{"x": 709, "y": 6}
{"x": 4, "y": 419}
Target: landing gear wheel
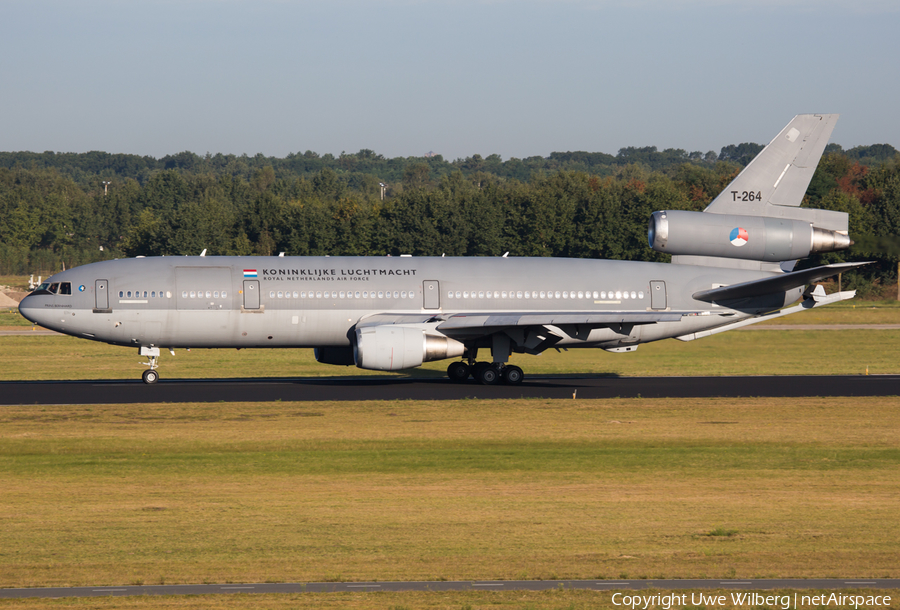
{"x": 150, "y": 376}
{"x": 488, "y": 375}
{"x": 476, "y": 369}
{"x": 458, "y": 371}
{"x": 513, "y": 375}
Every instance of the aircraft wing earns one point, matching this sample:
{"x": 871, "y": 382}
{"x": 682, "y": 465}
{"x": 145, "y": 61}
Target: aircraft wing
{"x": 381, "y": 319}
{"x": 559, "y": 318}
{"x": 533, "y": 331}
{"x": 771, "y": 285}
{"x": 452, "y": 321}
{"x": 480, "y": 324}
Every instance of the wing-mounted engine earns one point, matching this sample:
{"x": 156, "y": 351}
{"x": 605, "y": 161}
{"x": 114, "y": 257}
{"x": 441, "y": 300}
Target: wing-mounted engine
{"x": 757, "y": 238}
{"x": 391, "y": 347}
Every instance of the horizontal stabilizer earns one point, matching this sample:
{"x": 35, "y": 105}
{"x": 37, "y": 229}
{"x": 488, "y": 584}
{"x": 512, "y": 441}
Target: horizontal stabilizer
{"x": 772, "y": 285}
{"x": 815, "y": 300}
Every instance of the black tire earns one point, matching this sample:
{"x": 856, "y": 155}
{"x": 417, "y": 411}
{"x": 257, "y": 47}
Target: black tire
{"x": 458, "y": 371}
{"x": 477, "y": 368}
{"x": 488, "y": 375}
{"x": 150, "y": 376}
{"x": 513, "y": 375}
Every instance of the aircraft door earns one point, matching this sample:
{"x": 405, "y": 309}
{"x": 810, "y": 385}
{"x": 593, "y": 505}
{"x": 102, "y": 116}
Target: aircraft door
{"x": 251, "y": 294}
{"x": 101, "y": 294}
{"x": 431, "y": 290}
{"x": 658, "y": 295}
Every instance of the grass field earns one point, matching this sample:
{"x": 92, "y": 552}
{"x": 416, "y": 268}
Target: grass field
{"x": 773, "y": 352}
{"x": 519, "y": 600}
{"x": 147, "y": 494}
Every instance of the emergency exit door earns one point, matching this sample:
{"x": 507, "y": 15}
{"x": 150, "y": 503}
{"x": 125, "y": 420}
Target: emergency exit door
{"x": 658, "y": 295}
{"x": 251, "y": 294}
{"x": 431, "y": 291}
{"x": 101, "y": 294}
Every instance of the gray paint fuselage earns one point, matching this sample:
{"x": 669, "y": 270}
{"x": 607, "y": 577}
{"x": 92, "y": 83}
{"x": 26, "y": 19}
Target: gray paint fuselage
{"x": 333, "y": 294}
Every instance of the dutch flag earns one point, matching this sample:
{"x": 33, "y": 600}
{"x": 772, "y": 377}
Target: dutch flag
{"x": 249, "y": 272}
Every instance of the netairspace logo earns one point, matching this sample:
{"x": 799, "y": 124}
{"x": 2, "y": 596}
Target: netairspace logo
{"x": 784, "y": 602}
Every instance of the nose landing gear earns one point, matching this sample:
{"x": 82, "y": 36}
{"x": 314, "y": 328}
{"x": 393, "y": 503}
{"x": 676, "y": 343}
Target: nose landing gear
{"x": 151, "y": 375}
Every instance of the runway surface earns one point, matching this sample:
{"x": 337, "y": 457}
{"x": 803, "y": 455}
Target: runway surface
{"x": 494, "y": 585}
{"x": 392, "y": 388}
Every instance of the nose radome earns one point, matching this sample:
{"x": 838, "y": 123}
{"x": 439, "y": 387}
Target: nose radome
{"x": 32, "y": 310}
{"x": 27, "y": 309}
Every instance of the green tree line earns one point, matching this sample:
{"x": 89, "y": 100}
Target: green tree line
{"x": 69, "y": 209}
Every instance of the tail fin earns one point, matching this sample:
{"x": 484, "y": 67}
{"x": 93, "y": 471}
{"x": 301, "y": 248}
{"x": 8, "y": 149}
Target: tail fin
{"x": 780, "y": 174}
{"x": 773, "y": 186}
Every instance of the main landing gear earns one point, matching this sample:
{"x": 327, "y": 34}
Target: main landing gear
{"x": 487, "y": 373}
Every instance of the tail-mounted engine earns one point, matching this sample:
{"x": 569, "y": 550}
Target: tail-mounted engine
{"x": 758, "y": 238}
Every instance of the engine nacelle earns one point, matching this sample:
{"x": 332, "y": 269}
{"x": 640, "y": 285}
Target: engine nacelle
{"x": 393, "y": 348}
{"x": 757, "y": 238}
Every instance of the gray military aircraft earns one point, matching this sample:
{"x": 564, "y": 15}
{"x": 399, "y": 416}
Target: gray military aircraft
{"x": 732, "y": 265}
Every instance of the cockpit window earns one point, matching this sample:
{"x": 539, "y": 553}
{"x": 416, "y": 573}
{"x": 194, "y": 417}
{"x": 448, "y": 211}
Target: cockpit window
{"x": 54, "y": 288}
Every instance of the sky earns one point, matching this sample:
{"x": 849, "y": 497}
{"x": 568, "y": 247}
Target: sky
{"x": 517, "y": 78}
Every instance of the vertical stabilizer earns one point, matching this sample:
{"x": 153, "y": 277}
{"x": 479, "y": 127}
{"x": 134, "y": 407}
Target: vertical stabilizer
{"x": 772, "y": 186}
{"x": 780, "y": 174}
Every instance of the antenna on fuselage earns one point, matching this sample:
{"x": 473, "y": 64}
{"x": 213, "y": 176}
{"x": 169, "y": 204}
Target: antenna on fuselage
{"x": 203, "y": 253}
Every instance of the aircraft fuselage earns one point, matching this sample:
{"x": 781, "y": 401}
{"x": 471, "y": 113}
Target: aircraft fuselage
{"x": 318, "y": 301}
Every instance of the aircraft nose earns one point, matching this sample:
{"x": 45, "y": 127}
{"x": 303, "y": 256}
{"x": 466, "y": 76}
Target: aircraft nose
{"x": 30, "y": 310}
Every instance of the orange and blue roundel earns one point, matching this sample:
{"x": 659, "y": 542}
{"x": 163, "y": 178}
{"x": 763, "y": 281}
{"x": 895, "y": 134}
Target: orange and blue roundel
{"x": 739, "y": 236}
{"x": 249, "y": 272}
